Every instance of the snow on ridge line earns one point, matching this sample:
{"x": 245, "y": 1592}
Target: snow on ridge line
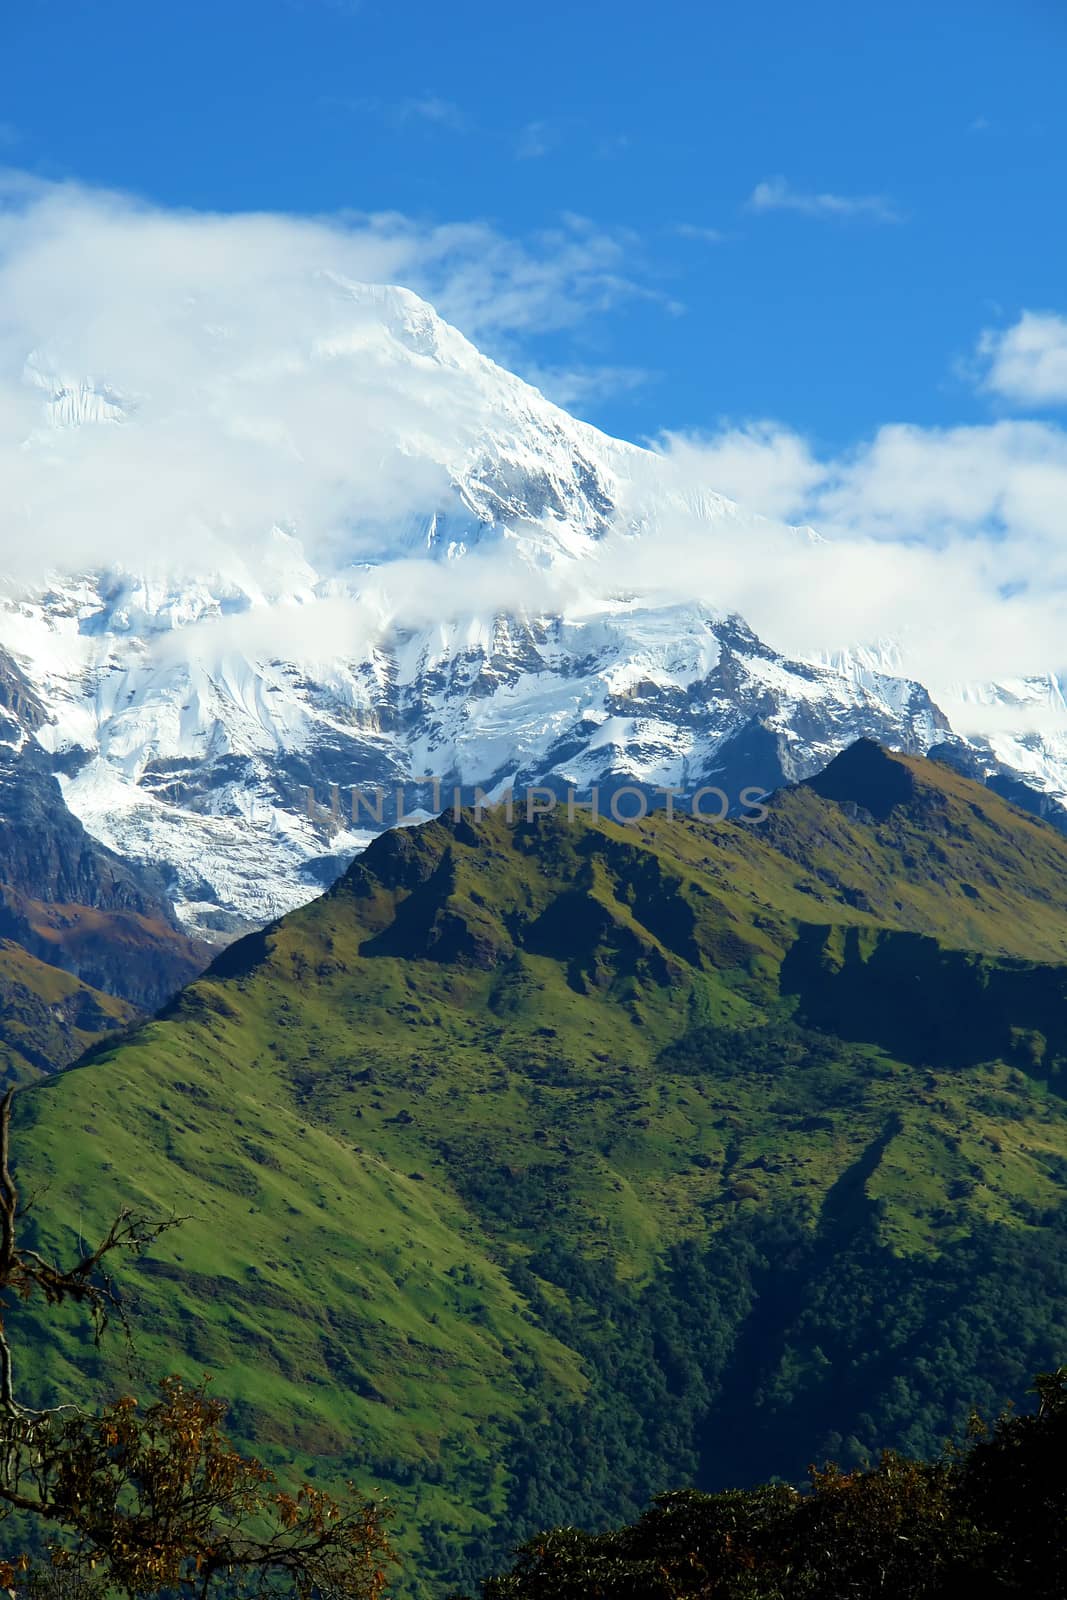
{"x": 190, "y": 715}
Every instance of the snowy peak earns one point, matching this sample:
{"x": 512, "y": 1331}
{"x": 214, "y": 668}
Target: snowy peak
{"x": 356, "y": 554}
{"x": 412, "y": 323}
{"x": 369, "y": 429}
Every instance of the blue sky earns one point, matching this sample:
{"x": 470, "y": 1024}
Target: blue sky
{"x": 912, "y": 160}
{"x": 814, "y": 255}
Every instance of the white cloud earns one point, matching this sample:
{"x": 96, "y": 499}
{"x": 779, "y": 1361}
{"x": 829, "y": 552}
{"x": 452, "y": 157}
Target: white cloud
{"x": 428, "y": 107}
{"x": 575, "y": 387}
{"x": 692, "y": 230}
{"x": 234, "y": 341}
{"x": 555, "y": 279}
{"x": 258, "y": 398}
{"x": 1027, "y": 363}
{"x": 485, "y": 282}
{"x": 432, "y": 108}
{"x": 540, "y": 138}
{"x": 776, "y": 194}
{"x": 763, "y": 465}
{"x": 952, "y": 541}
{"x": 535, "y": 140}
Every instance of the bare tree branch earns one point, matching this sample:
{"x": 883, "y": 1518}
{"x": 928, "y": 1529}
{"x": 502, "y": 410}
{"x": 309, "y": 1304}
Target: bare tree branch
{"x": 86, "y": 1282}
{"x": 159, "y": 1499}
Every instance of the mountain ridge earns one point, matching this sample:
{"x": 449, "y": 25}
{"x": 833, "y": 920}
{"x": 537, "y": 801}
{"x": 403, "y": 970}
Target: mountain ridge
{"x": 508, "y": 1083}
{"x": 189, "y": 701}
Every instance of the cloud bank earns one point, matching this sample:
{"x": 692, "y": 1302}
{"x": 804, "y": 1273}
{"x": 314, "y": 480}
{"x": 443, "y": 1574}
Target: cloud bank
{"x": 951, "y": 542}
{"x": 254, "y": 397}
{"x": 239, "y": 377}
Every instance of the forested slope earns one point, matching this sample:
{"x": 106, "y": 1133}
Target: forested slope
{"x": 541, "y": 1167}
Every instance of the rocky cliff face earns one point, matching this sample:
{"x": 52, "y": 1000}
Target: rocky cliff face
{"x": 201, "y": 776}
{"x": 64, "y": 897}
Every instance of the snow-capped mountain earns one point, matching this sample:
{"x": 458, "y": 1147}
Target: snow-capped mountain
{"x": 209, "y": 709}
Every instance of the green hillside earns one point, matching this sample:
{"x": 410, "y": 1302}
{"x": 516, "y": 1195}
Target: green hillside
{"x": 48, "y": 1017}
{"x": 541, "y": 1167}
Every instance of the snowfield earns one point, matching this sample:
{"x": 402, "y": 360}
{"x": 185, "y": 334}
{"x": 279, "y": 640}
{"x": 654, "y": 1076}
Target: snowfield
{"x": 471, "y": 616}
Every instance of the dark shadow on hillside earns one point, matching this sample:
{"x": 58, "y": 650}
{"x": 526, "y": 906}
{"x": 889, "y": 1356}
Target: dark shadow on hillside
{"x": 924, "y": 1004}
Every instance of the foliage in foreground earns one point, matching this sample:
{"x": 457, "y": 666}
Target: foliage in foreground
{"x": 991, "y": 1520}
{"x": 153, "y": 1500}
{"x": 157, "y": 1500}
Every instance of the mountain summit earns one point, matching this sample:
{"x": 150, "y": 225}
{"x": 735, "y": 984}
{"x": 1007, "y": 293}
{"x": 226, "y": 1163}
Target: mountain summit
{"x": 422, "y": 574}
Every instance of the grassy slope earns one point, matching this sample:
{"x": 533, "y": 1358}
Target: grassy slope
{"x": 47, "y": 1017}
{"x": 953, "y": 859}
{"x": 323, "y": 1104}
